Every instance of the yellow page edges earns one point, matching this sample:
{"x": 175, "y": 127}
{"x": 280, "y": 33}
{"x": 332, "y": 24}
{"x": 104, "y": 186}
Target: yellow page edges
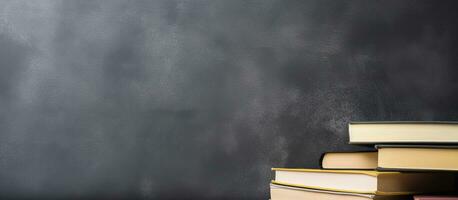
{"x": 365, "y": 172}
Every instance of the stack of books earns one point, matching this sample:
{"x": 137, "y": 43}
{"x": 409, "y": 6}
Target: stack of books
{"x": 409, "y": 159}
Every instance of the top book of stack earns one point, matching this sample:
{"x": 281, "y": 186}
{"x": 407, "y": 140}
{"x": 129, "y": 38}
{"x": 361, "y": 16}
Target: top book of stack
{"x": 403, "y": 132}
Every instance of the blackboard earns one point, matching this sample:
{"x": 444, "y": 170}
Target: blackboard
{"x": 180, "y": 99}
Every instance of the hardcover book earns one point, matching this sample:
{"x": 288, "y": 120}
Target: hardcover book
{"x": 403, "y": 132}
{"x": 349, "y": 160}
{"x": 365, "y": 181}
{"x": 281, "y": 192}
{"x": 417, "y": 157}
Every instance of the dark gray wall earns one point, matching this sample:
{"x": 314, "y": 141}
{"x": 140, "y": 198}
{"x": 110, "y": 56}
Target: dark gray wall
{"x": 198, "y": 99}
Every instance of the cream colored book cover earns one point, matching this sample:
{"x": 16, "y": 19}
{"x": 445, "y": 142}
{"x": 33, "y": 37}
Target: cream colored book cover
{"x": 403, "y": 132}
{"x": 365, "y": 181}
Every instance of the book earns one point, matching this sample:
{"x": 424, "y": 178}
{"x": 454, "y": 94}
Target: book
{"x": 281, "y": 192}
{"x": 421, "y": 197}
{"x": 349, "y": 160}
{"x": 403, "y": 132}
{"x": 365, "y": 181}
{"x": 417, "y": 157}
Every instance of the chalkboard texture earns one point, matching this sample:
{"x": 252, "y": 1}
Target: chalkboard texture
{"x": 198, "y": 99}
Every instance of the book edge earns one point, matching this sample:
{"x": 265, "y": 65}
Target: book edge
{"x": 320, "y": 191}
{"x": 363, "y": 172}
{"x": 404, "y": 122}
